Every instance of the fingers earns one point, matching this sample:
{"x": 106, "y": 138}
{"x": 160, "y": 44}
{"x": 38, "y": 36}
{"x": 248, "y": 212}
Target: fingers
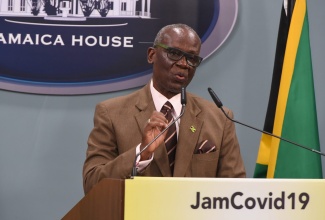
{"x": 157, "y": 120}
{"x": 153, "y": 127}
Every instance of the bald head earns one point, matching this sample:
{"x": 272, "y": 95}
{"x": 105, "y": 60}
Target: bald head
{"x": 177, "y": 28}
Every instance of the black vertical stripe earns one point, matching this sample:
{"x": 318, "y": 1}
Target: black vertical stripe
{"x": 278, "y": 64}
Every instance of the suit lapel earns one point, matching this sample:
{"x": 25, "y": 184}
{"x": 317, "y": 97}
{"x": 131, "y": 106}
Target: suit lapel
{"x": 188, "y": 137}
{"x": 146, "y": 107}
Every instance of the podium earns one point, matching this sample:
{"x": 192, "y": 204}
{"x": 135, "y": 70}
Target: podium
{"x": 202, "y": 198}
{"x": 104, "y": 201}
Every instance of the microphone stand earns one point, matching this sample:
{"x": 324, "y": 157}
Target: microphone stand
{"x": 219, "y": 104}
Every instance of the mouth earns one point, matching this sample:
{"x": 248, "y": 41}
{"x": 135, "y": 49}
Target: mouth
{"x": 181, "y": 77}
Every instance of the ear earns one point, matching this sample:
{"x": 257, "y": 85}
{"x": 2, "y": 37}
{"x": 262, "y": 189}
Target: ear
{"x": 151, "y": 54}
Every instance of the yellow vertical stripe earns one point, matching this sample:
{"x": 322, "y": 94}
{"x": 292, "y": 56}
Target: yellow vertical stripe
{"x": 263, "y": 156}
{"x": 296, "y": 25}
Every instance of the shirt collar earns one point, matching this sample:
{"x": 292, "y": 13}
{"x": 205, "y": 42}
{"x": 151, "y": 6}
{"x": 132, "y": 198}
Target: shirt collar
{"x": 159, "y": 100}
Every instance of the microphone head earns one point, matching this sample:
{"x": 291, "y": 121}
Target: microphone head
{"x": 215, "y": 98}
{"x": 183, "y": 96}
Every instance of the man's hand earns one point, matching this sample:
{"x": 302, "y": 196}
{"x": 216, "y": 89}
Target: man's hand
{"x": 156, "y": 123}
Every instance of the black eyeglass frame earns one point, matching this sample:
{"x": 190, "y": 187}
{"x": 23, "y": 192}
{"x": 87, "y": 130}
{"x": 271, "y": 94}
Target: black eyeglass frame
{"x": 183, "y": 54}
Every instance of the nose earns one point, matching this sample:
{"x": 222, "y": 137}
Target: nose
{"x": 182, "y": 62}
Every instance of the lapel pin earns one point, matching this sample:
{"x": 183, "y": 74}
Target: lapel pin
{"x": 192, "y": 129}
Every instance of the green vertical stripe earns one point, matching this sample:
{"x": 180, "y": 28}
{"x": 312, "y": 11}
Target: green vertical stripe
{"x": 300, "y": 121}
{"x": 260, "y": 171}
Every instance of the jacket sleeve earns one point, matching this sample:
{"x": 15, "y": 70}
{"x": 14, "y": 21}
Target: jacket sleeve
{"x": 230, "y": 161}
{"x": 103, "y": 159}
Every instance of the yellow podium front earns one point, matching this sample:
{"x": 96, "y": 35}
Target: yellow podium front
{"x": 223, "y": 198}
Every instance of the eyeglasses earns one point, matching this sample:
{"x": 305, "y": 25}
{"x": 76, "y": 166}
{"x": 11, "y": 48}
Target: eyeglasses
{"x": 177, "y": 54}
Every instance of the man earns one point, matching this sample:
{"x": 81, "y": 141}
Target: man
{"x": 206, "y": 144}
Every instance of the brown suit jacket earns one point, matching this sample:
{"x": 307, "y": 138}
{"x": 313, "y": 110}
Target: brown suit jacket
{"x": 118, "y": 125}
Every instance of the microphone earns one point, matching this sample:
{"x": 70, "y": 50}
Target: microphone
{"x": 219, "y": 104}
{"x": 183, "y": 102}
{"x": 183, "y": 97}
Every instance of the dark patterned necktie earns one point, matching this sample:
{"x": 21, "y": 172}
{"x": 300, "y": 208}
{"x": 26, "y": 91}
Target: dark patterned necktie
{"x": 171, "y": 137}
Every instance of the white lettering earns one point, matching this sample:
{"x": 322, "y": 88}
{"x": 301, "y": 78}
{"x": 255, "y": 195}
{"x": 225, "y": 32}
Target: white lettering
{"x": 2, "y": 39}
{"x": 37, "y": 39}
{"x": 14, "y": 39}
{"x": 128, "y": 42}
{"x": 90, "y": 39}
{"x": 75, "y": 40}
{"x": 116, "y": 42}
{"x": 101, "y": 41}
{"x": 43, "y": 38}
{"x": 58, "y": 40}
{"x": 28, "y": 39}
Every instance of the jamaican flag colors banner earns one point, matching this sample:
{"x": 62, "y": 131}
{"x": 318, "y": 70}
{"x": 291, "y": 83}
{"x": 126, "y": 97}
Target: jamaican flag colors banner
{"x": 291, "y": 112}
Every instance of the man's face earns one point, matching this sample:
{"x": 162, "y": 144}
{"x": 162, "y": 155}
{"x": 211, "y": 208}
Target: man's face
{"x": 169, "y": 75}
